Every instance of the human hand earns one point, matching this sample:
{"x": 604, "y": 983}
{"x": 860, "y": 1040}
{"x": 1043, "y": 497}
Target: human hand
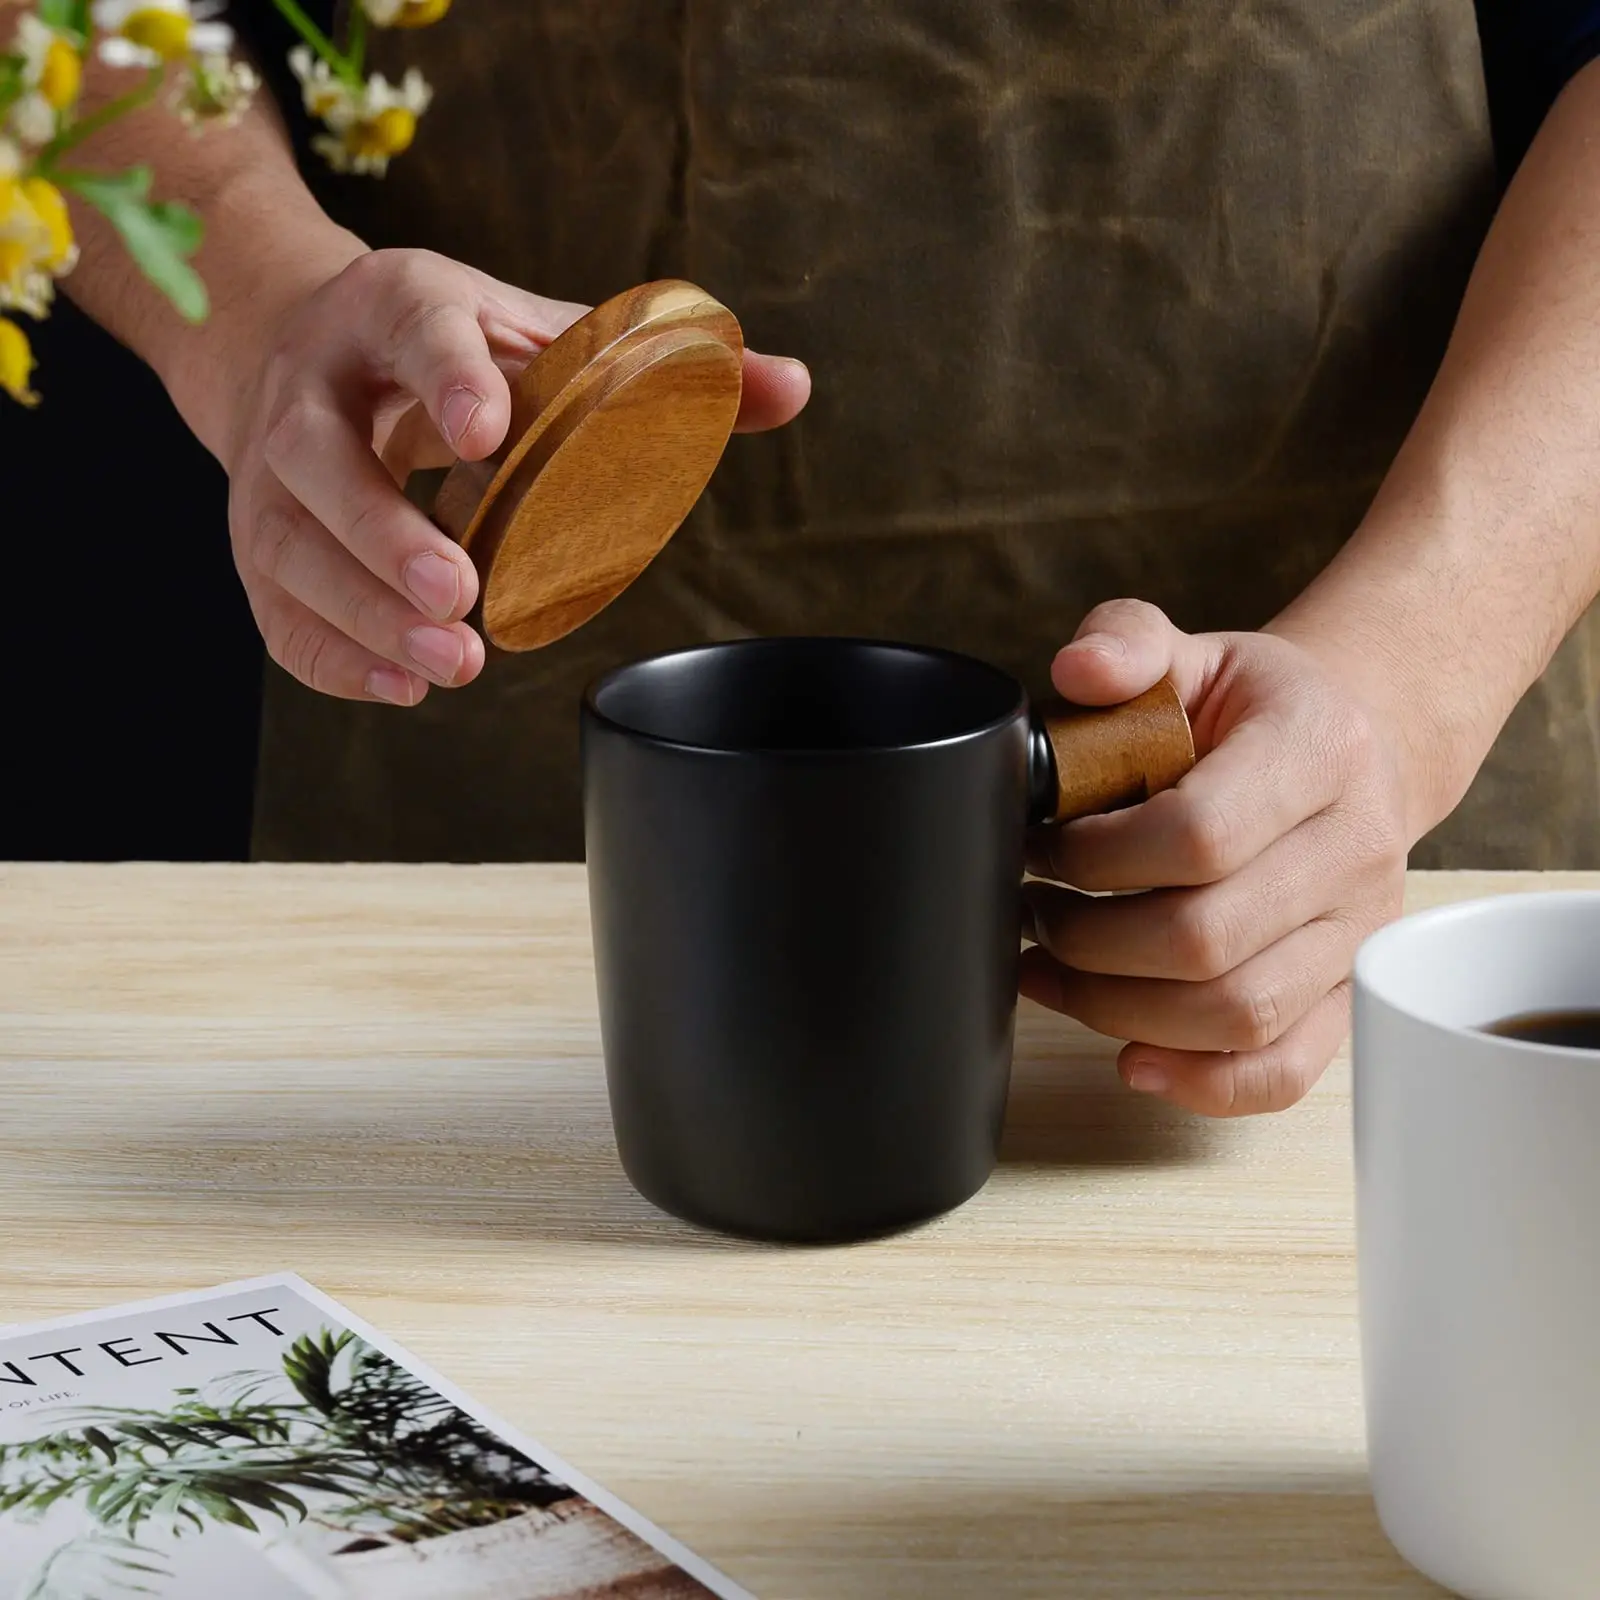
{"x": 356, "y": 592}
{"x": 1263, "y": 869}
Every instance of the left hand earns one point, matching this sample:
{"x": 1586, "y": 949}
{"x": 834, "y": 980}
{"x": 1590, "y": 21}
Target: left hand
{"x": 1264, "y": 869}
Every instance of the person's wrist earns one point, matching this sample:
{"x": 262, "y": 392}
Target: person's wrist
{"x": 266, "y": 255}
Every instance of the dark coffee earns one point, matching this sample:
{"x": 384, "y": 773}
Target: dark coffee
{"x": 1572, "y": 1030}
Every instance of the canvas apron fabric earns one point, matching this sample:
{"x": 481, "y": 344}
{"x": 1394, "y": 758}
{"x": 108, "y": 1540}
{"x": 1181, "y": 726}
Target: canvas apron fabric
{"x": 1101, "y": 298}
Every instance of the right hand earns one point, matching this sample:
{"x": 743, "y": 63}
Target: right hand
{"x": 356, "y": 592}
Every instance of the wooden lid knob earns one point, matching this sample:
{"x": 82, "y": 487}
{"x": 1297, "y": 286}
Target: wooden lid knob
{"x": 615, "y": 431}
{"x": 1109, "y": 757}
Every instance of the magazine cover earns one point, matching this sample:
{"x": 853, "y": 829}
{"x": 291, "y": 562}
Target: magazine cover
{"x": 259, "y": 1442}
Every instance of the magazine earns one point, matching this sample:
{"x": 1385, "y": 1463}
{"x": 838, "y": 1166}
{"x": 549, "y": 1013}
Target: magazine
{"x": 259, "y": 1442}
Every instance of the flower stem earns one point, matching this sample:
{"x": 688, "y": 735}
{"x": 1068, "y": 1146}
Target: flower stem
{"x": 317, "y": 39}
{"x": 88, "y": 126}
{"x": 356, "y": 44}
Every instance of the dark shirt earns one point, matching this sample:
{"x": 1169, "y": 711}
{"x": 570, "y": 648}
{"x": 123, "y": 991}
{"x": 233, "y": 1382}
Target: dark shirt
{"x": 1531, "y": 50}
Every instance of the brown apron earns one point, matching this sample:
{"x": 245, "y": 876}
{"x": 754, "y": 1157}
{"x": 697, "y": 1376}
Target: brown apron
{"x": 1101, "y": 297}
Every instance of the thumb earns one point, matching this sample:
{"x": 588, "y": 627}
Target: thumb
{"x": 1124, "y": 647}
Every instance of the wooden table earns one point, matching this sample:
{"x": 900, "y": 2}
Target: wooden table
{"x": 1128, "y": 1368}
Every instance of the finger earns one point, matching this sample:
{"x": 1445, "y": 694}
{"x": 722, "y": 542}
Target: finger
{"x": 322, "y": 458}
{"x": 324, "y": 659}
{"x": 437, "y": 350}
{"x": 1124, "y": 647}
{"x": 1245, "y": 1009}
{"x": 1249, "y": 1082}
{"x": 415, "y": 322}
{"x": 519, "y": 325}
{"x": 1259, "y": 783}
{"x": 1198, "y": 934}
{"x": 299, "y": 556}
{"x": 776, "y": 389}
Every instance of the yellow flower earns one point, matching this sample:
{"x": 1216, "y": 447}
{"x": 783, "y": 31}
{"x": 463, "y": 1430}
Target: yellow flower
{"x": 24, "y": 241}
{"x": 50, "y": 62}
{"x": 147, "y": 33}
{"x": 16, "y": 363}
{"x": 52, "y": 74}
{"x": 368, "y": 124}
{"x": 61, "y": 76}
{"x": 50, "y": 206}
{"x": 36, "y": 243}
{"x": 405, "y": 13}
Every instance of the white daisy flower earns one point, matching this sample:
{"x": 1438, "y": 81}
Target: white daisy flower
{"x": 368, "y": 126}
{"x": 326, "y": 97}
{"x": 52, "y": 74}
{"x": 147, "y": 33}
{"x": 214, "y": 89}
{"x": 33, "y": 119}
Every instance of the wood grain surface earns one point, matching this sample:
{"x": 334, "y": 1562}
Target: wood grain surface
{"x": 1128, "y": 1368}
{"x": 1112, "y": 756}
{"x": 615, "y": 430}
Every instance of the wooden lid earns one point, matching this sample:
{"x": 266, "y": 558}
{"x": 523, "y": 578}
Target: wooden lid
{"x": 615, "y": 431}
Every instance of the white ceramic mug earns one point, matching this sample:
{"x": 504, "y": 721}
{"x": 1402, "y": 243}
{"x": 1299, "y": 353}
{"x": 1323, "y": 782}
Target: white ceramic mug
{"x": 1478, "y": 1226}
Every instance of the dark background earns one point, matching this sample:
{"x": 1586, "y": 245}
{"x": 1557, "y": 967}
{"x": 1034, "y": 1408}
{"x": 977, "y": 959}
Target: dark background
{"x": 132, "y": 668}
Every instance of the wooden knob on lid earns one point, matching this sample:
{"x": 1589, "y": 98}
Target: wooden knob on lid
{"x": 615, "y": 431}
{"x": 1109, "y": 757}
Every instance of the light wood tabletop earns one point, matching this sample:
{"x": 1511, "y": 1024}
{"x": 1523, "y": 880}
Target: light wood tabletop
{"x": 1128, "y": 1368}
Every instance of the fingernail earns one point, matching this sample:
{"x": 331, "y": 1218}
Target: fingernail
{"x": 386, "y": 683}
{"x": 436, "y": 651}
{"x": 1147, "y": 1077}
{"x": 1101, "y": 644}
{"x": 459, "y": 410}
{"x": 797, "y": 365}
{"x": 434, "y": 584}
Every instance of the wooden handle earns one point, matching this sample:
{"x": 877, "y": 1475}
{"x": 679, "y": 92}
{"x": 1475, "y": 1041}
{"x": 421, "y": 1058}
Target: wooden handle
{"x": 1108, "y": 757}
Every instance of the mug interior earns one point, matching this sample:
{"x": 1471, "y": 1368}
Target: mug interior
{"x": 807, "y": 695}
{"x": 1466, "y": 965}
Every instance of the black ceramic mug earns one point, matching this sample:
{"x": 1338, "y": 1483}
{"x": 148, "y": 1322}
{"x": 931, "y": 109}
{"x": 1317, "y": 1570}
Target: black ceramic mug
{"x": 805, "y": 865}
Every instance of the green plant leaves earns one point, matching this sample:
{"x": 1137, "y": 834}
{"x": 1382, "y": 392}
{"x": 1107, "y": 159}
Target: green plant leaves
{"x": 66, "y": 16}
{"x": 160, "y": 235}
{"x": 11, "y": 69}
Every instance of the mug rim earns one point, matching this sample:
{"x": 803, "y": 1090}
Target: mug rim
{"x": 597, "y": 686}
{"x": 1369, "y": 983}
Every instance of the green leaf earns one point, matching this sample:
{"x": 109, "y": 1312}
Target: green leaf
{"x": 223, "y": 1510}
{"x": 101, "y": 1443}
{"x": 66, "y": 16}
{"x": 159, "y": 235}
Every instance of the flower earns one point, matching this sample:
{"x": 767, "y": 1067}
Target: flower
{"x": 36, "y": 243}
{"x": 215, "y": 89}
{"x": 325, "y": 96}
{"x": 16, "y": 363}
{"x": 50, "y": 206}
{"x": 52, "y": 73}
{"x": 148, "y": 33}
{"x": 25, "y": 244}
{"x": 404, "y": 13}
{"x": 368, "y": 123}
